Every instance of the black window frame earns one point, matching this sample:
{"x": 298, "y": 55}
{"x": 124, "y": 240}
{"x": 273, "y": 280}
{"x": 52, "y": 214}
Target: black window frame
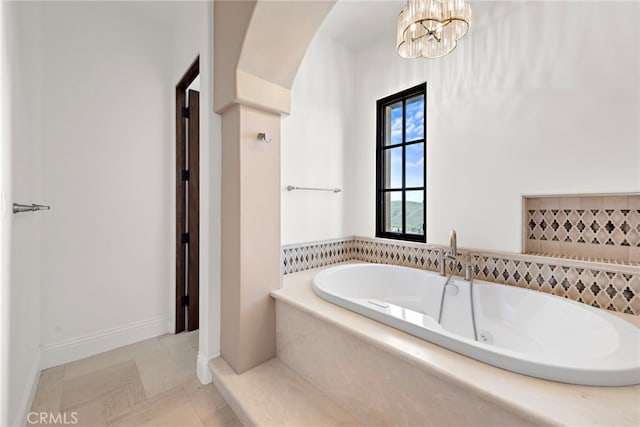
{"x": 381, "y": 148}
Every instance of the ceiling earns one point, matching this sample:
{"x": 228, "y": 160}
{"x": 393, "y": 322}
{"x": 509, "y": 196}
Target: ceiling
{"x": 358, "y": 23}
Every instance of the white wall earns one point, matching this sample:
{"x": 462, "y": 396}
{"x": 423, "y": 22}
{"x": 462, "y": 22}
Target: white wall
{"x": 7, "y": 17}
{"x": 5, "y": 224}
{"x": 23, "y": 162}
{"x": 87, "y": 125}
{"x": 534, "y": 100}
{"x": 135, "y": 207}
{"x": 107, "y": 245}
{"x": 314, "y": 138}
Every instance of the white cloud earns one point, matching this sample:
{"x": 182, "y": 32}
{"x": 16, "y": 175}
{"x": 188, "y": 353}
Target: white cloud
{"x": 419, "y": 163}
{"x": 396, "y": 130}
{"x": 414, "y": 130}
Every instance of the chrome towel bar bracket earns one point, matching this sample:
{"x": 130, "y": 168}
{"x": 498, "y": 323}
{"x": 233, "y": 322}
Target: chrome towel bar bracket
{"x": 19, "y": 208}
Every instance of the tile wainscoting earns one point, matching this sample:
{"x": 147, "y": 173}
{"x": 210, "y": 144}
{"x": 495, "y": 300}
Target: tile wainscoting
{"x": 304, "y": 256}
{"x": 614, "y": 287}
{"x": 596, "y": 226}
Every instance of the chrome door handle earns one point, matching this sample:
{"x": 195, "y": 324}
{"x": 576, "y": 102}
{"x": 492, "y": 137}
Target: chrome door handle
{"x": 18, "y": 208}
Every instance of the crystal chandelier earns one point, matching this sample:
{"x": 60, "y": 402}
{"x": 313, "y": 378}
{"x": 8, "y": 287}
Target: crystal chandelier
{"x": 431, "y": 28}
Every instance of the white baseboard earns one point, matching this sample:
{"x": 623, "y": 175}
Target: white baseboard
{"x": 203, "y": 372}
{"x": 24, "y": 406}
{"x": 68, "y": 350}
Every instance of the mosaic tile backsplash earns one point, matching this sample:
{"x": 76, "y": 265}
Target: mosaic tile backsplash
{"x": 306, "y": 256}
{"x": 605, "y": 227}
{"x": 596, "y": 226}
{"x": 594, "y": 284}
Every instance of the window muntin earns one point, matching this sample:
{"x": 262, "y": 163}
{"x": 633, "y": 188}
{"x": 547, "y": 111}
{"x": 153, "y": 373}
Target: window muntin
{"x": 401, "y": 167}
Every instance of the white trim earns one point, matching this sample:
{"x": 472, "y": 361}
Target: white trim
{"x": 71, "y": 349}
{"x": 24, "y": 406}
{"x": 203, "y": 372}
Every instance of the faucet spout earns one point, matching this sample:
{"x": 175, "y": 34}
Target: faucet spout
{"x": 452, "y": 254}
{"x": 453, "y": 242}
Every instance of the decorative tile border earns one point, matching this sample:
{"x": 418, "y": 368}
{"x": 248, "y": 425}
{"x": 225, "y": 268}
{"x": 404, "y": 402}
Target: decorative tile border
{"x": 610, "y": 290}
{"x": 593, "y": 226}
{"x": 620, "y": 227}
{"x": 318, "y": 254}
{"x": 418, "y": 256}
{"x": 612, "y": 287}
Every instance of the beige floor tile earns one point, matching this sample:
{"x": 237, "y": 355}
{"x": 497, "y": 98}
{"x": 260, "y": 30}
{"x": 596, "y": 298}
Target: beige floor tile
{"x": 180, "y": 340}
{"x": 150, "y": 383}
{"x": 171, "y": 366}
{"x": 160, "y": 374}
{"x": 184, "y": 416}
{"x": 182, "y": 351}
{"x": 47, "y": 397}
{"x": 89, "y": 415}
{"x": 184, "y": 366}
{"x": 121, "y": 400}
{"x": 152, "y": 408}
{"x": 206, "y": 399}
{"x": 98, "y": 384}
{"x": 223, "y": 418}
{"x": 104, "y": 360}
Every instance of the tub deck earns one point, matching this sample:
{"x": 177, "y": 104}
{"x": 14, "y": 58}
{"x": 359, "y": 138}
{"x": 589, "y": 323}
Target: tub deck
{"x": 538, "y": 401}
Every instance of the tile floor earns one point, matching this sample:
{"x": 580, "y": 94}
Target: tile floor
{"x": 150, "y": 383}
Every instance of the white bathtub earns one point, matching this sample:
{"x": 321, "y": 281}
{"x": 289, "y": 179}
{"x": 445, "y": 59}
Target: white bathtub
{"x": 524, "y": 331}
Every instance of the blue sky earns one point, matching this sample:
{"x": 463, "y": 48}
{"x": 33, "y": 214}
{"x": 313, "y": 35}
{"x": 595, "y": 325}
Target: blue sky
{"x": 414, "y": 153}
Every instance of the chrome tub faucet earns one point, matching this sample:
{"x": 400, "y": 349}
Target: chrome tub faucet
{"x": 453, "y": 255}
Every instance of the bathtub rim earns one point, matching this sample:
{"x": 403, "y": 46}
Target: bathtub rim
{"x": 533, "y": 398}
{"x": 503, "y": 358}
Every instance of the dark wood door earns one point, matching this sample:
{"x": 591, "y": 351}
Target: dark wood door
{"x": 187, "y": 201}
{"x": 193, "y": 209}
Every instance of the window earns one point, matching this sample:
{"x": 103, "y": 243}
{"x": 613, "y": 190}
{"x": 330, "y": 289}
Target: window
{"x": 401, "y": 166}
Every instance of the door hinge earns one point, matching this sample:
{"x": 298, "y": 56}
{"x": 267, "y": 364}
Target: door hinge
{"x": 185, "y": 112}
{"x": 185, "y": 300}
{"x": 185, "y": 175}
{"x": 185, "y": 237}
